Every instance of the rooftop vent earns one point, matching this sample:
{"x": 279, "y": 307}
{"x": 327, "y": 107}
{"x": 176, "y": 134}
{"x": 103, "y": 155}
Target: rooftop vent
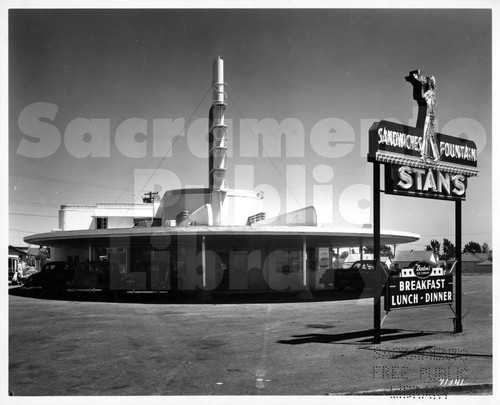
{"x": 261, "y": 216}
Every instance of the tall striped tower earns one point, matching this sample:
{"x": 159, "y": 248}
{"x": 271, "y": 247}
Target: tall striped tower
{"x": 217, "y": 141}
{"x": 217, "y": 138}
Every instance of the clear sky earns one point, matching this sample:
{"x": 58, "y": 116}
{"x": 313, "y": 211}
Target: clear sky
{"x": 325, "y": 74}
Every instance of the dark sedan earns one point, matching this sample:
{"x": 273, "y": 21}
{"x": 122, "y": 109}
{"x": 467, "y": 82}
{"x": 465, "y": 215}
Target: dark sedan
{"x": 53, "y": 276}
{"x": 91, "y": 276}
{"x": 360, "y": 275}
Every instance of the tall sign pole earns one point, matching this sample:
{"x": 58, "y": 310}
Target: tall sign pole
{"x": 376, "y": 251}
{"x": 420, "y": 162}
{"x": 458, "y": 267}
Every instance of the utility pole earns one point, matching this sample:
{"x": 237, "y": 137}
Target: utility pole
{"x": 150, "y": 198}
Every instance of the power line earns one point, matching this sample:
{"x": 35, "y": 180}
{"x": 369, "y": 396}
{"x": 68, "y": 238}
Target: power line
{"x": 42, "y": 204}
{"x": 20, "y": 230}
{"x": 308, "y": 174}
{"x": 33, "y": 215}
{"x": 64, "y": 181}
{"x": 108, "y": 187}
{"x": 176, "y": 139}
{"x": 451, "y": 234}
{"x": 267, "y": 155}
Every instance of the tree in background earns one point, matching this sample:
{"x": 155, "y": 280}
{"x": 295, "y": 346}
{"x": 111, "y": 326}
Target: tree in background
{"x": 448, "y": 250}
{"x": 435, "y": 246}
{"x": 385, "y": 250}
{"x": 43, "y": 255}
{"x": 472, "y": 247}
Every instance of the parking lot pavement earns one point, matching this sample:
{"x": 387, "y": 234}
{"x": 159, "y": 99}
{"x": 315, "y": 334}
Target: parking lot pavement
{"x": 73, "y": 346}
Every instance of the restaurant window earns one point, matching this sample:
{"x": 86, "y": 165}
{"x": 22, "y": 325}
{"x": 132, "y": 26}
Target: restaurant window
{"x": 101, "y": 223}
{"x": 73, "y": 259}
{"x": 141, "y": 221}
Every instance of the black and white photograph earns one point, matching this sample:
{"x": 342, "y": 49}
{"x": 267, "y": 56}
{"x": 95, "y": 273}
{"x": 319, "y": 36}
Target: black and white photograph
{"x": 281, "y": 201}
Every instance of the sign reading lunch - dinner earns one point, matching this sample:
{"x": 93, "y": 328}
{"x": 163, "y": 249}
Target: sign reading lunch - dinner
{"x": 441, "y": 174}
{"x": 417, "y": 286}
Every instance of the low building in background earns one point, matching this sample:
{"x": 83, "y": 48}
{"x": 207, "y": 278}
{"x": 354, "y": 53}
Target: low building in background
{"x": 477, "y": 262}
{"x": 403, "y": 258}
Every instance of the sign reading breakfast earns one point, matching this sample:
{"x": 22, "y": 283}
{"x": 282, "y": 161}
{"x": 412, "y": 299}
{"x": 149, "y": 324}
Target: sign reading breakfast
{"x": 419, "y": 285}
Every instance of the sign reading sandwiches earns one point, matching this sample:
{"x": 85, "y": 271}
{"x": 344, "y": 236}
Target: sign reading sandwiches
{"x": 389, "y": 139}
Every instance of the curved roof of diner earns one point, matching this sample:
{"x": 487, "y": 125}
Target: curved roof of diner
{"x": 315, "y": 235}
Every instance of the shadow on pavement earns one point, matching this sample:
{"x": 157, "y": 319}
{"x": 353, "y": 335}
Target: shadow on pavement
{"x": 188, "y": 297}
{"x": 386, "y": 335}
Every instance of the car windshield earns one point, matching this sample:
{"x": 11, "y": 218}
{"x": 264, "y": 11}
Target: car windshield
{"x": 93, "y": 268}
{"x": 364, "y": 266}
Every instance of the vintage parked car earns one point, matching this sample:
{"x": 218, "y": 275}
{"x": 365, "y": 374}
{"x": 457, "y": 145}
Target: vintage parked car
{"x": 92, "y": 275}
{"x": 360, "y": 275}
{"x": 327, "y": 278}
{"x": 323, "y": 262}
{"x": 53, "y": 276}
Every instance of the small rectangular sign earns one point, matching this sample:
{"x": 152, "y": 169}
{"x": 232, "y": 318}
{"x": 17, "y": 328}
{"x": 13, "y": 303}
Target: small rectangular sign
{"x": 414, "y": 291}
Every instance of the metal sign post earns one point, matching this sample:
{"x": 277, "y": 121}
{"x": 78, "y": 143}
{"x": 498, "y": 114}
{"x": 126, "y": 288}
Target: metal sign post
{"x": 458, "y": 269}
{"x": 376, "y": 251}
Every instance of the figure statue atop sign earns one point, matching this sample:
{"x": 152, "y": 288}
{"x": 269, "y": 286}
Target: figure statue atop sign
{"x": 425, "y": 95}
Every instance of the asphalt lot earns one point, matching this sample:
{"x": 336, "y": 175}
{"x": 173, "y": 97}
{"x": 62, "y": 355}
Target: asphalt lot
{"x": 150, "y": 345}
